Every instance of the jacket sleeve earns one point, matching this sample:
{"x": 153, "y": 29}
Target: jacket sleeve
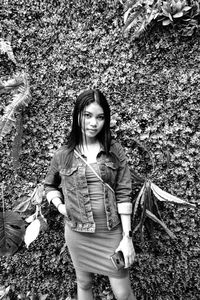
{"x": 123, "y": 189}
{"x": 53, "y": 180}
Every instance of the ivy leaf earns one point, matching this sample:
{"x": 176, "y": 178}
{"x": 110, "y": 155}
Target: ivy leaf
{"x": 12, "y": 229}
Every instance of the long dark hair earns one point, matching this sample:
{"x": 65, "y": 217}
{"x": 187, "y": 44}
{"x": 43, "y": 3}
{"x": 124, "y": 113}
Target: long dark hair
{"x": 84, "y": 99}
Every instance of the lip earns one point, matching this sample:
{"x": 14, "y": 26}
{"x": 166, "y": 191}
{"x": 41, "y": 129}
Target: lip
{"x": 92, "y": 130}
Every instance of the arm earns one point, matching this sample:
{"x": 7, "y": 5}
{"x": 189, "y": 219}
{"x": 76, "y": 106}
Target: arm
{"x": 52, "y": 182}
{"x": 124, "y": 205}
{"x": 126, "y": 244}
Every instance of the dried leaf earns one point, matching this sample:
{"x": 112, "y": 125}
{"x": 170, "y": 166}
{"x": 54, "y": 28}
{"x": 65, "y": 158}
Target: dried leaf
{"x": 32, "y": 232}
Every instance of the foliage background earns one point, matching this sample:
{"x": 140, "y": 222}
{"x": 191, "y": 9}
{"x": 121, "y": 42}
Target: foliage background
{"x": 152, "y": 84}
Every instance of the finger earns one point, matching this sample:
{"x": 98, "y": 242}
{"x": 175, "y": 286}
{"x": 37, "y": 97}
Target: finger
{"x": 126, "y": 260}
{"x": 118, "y": 249}
{"x": 132, "y": 259}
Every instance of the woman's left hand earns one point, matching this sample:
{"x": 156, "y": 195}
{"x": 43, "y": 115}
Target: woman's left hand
{"x": 127, "y": 248}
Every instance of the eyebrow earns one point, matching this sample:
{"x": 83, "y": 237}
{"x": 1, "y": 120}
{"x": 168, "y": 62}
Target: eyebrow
{"x": 86, "y": 111}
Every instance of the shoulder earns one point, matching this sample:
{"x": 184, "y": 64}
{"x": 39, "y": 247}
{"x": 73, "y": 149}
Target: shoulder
{"x": 117, "y": 149}
{"x": 62, "y": 149}
{"x": 61, "y": 152}
{"x": 115, "y": 146}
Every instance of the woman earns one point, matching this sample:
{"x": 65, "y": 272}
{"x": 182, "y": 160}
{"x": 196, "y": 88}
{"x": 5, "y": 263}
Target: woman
{"x": 96, "y": 197}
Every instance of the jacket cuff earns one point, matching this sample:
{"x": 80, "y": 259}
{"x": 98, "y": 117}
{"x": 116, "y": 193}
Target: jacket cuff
{"x": 125, "y": 208}
{"x": 53, "y": 194}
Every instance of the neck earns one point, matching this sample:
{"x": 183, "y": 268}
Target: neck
{"x": 88, "y": 141}
{"x": 90, "y": 149}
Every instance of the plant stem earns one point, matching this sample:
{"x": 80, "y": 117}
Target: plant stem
{"x": 2, "y": 196}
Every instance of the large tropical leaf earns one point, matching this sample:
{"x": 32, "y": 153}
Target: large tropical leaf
{"x": 12, "y": 229}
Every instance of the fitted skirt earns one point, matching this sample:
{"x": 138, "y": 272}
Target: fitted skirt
{"x": 90, "y": 252}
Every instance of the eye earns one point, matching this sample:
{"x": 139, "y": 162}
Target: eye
{"x": 101, "y": 118}
{"x": 87, "y": 115}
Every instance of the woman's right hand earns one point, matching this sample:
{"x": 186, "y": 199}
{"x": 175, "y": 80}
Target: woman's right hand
{"x": 62, "y": 209}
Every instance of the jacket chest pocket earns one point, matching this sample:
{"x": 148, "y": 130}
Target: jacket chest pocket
{"x": 69, "y": 176}
{"x": 111, "y": 165}
{"x": 110, "y": 171}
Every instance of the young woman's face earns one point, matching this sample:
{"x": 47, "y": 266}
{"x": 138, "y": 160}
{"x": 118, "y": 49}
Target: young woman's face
{"x": 92, "y": 121}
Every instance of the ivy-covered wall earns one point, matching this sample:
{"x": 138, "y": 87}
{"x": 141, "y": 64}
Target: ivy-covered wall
{"x": 152, "y": 84}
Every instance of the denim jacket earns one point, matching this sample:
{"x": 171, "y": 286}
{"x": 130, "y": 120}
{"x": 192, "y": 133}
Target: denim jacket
{"x": 72, "y": 181}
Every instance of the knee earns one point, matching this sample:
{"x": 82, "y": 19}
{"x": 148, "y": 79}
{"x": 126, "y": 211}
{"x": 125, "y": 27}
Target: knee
{"x": 84, "y": 283}
{"x": 122, "y": 294}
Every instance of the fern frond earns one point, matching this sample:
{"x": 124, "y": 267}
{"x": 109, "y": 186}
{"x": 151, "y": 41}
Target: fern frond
{"x": 8, "y": 120}
{"x": 15, "y": 82}
{"x": 130, "y": 4}
{"x": 5, "y": 47}
{"x": 133, "y": 19}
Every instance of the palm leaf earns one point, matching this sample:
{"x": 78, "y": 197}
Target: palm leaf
{"x": 143, "y": 215}
{"x": 12, "y": 229}
{"x": 155, "y": 219}
{"x": 164, "y": 196}
{"x": 137, "y": 202}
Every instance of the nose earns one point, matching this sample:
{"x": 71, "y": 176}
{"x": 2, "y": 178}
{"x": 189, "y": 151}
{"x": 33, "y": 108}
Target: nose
{"x": 93, "y": 122}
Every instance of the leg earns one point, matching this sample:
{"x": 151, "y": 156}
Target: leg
{"x": 122, "y": 288}
{"x": 84, "y": 285}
